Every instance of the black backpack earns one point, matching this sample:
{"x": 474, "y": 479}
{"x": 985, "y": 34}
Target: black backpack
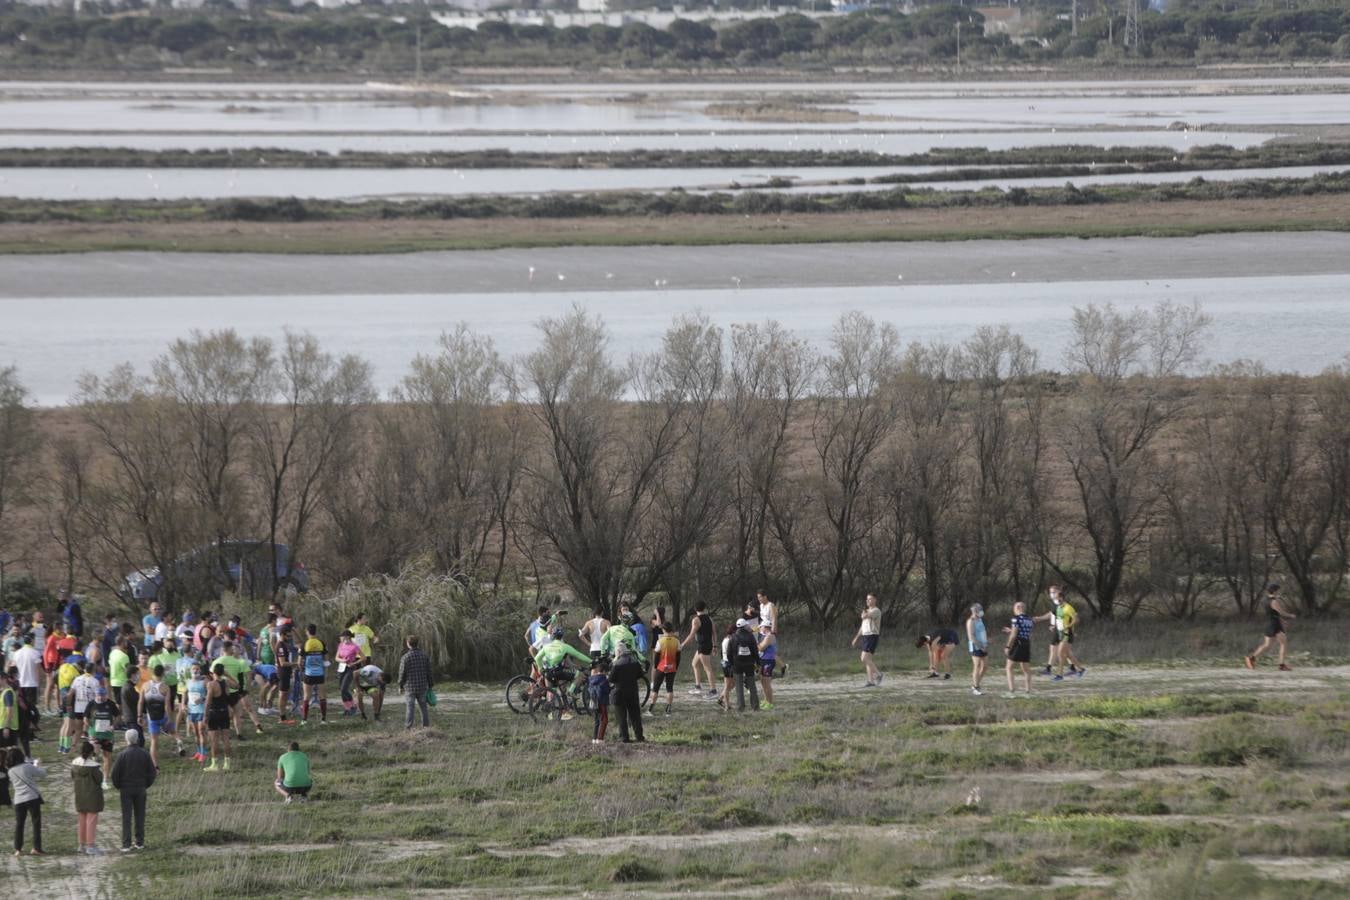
{"x": 744, "y": 651}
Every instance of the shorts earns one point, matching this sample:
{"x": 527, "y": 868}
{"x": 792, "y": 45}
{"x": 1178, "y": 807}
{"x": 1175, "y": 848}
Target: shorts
{"x": 869, "y": 643}
{"x": 156, "y": 726}
{"x": 1274, "y": 628}
{"x": 1054, "y": 637}
{"x": 218, "y": 720}
{"x": 728, "y": 671}
{"x": 370, "y": 688}
{"x": 979, "y": 654}
{"x": 1020, "y": 651}
{"x": 314, "y": 680}
{"x": 666, "y": 678}
{"x": 295, "y": 791}
{"x": 195, "y": 718}
{"x": 1067, "y": 637}
{"x": 703, "y": 649}
{"x": 766, "y": 667}
{"x": 104, "y": 744}
{"x": 77, "y": 716}
{"x": 234, "y": 697}
{"x": 285, "y": 679}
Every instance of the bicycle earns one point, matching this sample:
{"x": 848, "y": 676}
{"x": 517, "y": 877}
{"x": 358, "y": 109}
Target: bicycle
{"x": 563, "y": 693}
{"x": 524, "y": 690}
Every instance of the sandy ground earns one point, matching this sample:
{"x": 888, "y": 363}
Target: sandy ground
{"x": 590, "y": 269}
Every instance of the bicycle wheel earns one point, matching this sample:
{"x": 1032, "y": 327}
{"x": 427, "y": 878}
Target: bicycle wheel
{"x": 542, "y": 703}
{"x": 645, "y": 689}
{"x": 518, "y": 693}
{"x": 581, "y": 699}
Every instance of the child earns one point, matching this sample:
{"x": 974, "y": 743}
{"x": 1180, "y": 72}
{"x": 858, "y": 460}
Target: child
{"x": 665, "y": 663}
{"x": 598, "y": 685}
{"x": 23, "y": 779}
{"x": 87, "y": 775}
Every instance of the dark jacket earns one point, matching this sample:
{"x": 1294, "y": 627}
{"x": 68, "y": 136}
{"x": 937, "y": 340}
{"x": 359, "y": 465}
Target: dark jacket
{"x": 88, "y": 788}
{"x": 624, "y": 677}
{"x": 744, "y": 651}
{"x": 132, "y": 769}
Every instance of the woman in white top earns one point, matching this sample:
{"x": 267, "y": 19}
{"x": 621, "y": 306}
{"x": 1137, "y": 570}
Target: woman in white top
{"x": 593, "y": 630}
{"x": 869, "y": 632}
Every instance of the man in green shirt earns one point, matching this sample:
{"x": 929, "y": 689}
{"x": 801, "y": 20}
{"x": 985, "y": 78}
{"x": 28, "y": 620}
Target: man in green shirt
{"x": 168, "y": 657}
{"x": 241, "y": 671}
{"x": 118, "y": 661}
{"x": 619, "y": 633}
{"x": 293, "y": 778}
{"x": 551, "y": 658}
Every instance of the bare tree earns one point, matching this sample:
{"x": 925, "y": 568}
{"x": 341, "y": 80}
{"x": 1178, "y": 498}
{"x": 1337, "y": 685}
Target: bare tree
{"x": 20, "y": 446}
{"x": 296, "y": 443}
{"x": 1127, "y": 366}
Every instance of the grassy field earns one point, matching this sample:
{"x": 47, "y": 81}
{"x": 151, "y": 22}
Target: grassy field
{"x": 1195, "y": 780}
{"x": 1176, "y": 218}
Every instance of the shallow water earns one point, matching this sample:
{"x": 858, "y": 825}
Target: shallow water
{"x": 1298, "y": 324}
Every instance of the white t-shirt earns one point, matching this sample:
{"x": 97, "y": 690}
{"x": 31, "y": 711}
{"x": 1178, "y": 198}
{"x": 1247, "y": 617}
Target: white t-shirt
{"x": 29, "y": 663}
{"x": 871, "y": 622}
{"x": 83, "y": 687}
{"x": 39, "y": 635}
{"x": 768, "y": 615}
{"x": 163, "y": 630}
{"x": 726, "y": 650}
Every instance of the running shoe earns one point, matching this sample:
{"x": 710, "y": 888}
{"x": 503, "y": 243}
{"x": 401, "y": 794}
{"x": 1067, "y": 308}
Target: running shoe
{"x": 1009, "y": 695}
{"x": 932, "y": 675}
{"x": 1284, "y": 668}
{"x": 766, "y": 706}
{"x": 566, "y": 717}
{"x": 212, "y": 768}
{"x": 880, "y": 676}
{"x": 107, "y": 785}
{"x": 946, "y": 676}
{"x": 1250, "y": 661}
{"x": 257, "y": 729}
{"x": 869, "y": 684}
{"x": 124, "y": 850}
{"x": 1046, "y": 671}
{"x": 288, "y": 799}
{"x": 696, "y": 689}
{"x": 137, "y": 846}
{"x": 712, "y": 695}
{"x": 783, "y": 674}
{"x": 226, "y": 767}
{"x": 1080, "y": 673}
{"x": 1058, "y": 678}
{"x": 182, "y": 751}
{"x": 977, "y": 692}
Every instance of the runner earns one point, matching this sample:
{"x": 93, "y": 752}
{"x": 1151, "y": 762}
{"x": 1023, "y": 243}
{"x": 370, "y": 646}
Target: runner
{"x": 131, "y": 703}
{"x": 1275, "y": 618}
{"x": 348, "y": 661}
{"x": 59, "y": 645}
{"x": 83, "y": 693}
{"x": 940, "y": 643}
{"x": 592, "y": 631}
{"x": 655, "y": 628}
{"x": 267, "y": 680}
{"x": 701, "y": 629}
{"x": 768, "y": 658}
{"x": 293, "y": 775}
{"x": 665, "y": 663}
{"x": 1052, "y": 619}
{"x": 168, "y": 657}
{"x": 371, "y": 680}
{"x": 195, "y": 704}
{"x": 536, "y": 634}
{"x": 241, "y": 673}
{"x": 314, "y": 665}
{"x": 1066, "y": 620}
{"x": 744, "y": 650}
{"x": 153, "y": 709}
{"x": 977, "y": 641}
{"x": 1018, "y": 648}
{"x": 869, "y": 633}
{"x": 287, "y": 673}
{"x": 149, "y": 622}
{"x": 119, "y": 660}
{"x": 364, "y": 635}
{"x": 71, "y": 667}
{"x": 104, "y": 718}
{"x": 728, "y": 672}
{"x": 218, "y": 717}
{"x": 768, "y": 615}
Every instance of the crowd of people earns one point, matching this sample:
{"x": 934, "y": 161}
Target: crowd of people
{"x": 173, "y": 687}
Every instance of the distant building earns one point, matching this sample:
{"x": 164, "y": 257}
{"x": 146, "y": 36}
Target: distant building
{"x": 1013, "y": 21}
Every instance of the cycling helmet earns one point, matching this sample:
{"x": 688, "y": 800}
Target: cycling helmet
{"x": 627, "y": 617}
{"x": 556, "y": 634}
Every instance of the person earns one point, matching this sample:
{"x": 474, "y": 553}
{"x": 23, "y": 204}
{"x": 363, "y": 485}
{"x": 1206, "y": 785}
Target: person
{"x": 767, "y": 613}
{"x": 13, "y": 715}
{"x": 133, "y": 774}
{"x": 83, "y": 692}
{"x": 153, "y": 709}
{"x": 218, "y": 717}
{"x": 293, "y": 776}
{"x": 103, "y": 717}
{"x": 655, "y": 629}
{"x": 598, "y": 687}
{"x": 241, "y": 671}
{"x": 131, "y": 702}
{"x": 728, "y": 671}
{"x": 60, "y": 647}
{"x": 73, "y": 617}
{"x": 149, "y": 622}
{"x": 267, "y": 646}
{"x": 348, "y": 661}
{"x": 620, "y": 634}
{"x": 112, "y": 632}
{"x": 624, "y": 678}
{"x": 364, "y": 636}
{"x": 119, "y": 659}
{"x": 1018, "y": 648}
{"x": 641, "y": 637}
{"x": 370, "y": 679}
{"x": 940, "y": 643}
{"x": 768, "y": 658}
{"x": 27, "y": 797}
{"x": 38, "y": 628}
{"x": 551, "y": 660}
{"x": 287, "y": 675}
{"x": 1276, "y": 615}
{"x": 977, "y": 641}
{"x": 266, "y": 678}
{"x": 1051, "y": 618}
{"x": 414, "y": 679}
{"x": 194, "y": 701}
{"x": 169, "y": 658}
{"x": 87, "y": 777}
{"x": 701, "y": 631}
{"x": 869, "y": 633}
{"x": 665, "y": 663}
{"x": 1066, "y": 621}
{"x": 71, "y": 668}
{"x": 314, "y": 665}
{"x": 164, "y": 629}
{"x": 745, "y": 661}
{"x": 536, "y": 635}
{"x": 28, "y": 662}
{"x": 593, "y": 631}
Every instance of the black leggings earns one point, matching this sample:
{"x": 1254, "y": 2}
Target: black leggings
{"x": 22, "y": 811}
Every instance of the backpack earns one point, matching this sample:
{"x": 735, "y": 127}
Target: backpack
{"x": 744, "y": 650}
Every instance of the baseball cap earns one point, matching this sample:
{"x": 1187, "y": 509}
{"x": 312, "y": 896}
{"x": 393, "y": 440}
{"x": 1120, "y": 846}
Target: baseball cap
{"x": 741, "y": 623}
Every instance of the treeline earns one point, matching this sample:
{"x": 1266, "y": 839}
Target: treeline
{"x": 354, "y": 41}
{"x": 727, "y": 459}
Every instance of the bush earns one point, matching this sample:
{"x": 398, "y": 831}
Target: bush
{"x": 1234, "y": 740}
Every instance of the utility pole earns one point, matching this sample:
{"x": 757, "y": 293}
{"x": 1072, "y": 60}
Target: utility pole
{"x": 958, "y": 47}
{"x": 1073, "y": 19}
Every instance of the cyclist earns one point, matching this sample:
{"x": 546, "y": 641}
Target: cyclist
{"x": 551, "y": 660}
{"x": 621, "y": 634}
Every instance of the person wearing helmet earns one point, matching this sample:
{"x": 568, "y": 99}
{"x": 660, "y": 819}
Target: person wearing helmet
{"x": 551, "y": 659}
{"x": 621, "y": 635}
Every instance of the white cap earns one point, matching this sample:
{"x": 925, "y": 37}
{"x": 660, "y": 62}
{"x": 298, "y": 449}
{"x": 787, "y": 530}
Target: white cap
{"x": 741, "y": 623}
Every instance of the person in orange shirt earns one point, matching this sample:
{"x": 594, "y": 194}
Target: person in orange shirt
{"x": 59, "y": 646}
